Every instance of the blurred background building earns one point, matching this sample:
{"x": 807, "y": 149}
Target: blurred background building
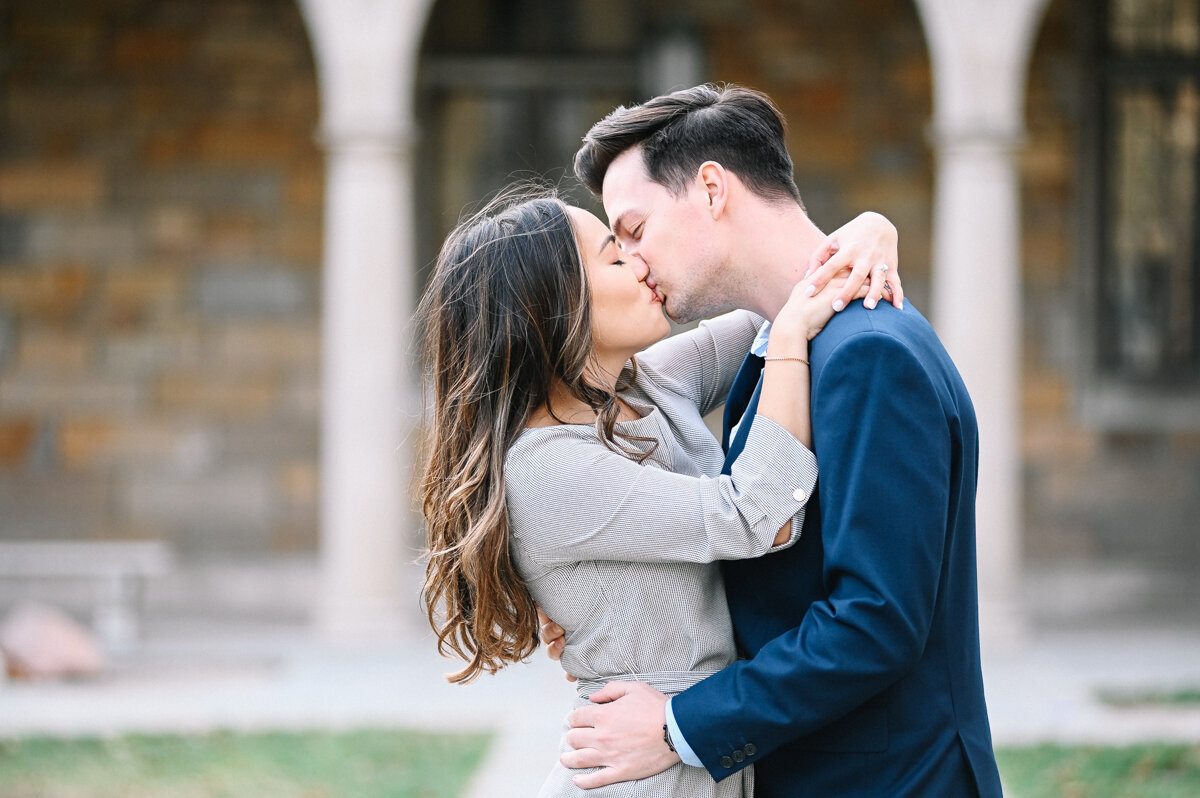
{"x": 215, "y": 216}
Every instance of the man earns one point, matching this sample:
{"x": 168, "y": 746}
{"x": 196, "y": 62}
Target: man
{"x": 862, "y": 675}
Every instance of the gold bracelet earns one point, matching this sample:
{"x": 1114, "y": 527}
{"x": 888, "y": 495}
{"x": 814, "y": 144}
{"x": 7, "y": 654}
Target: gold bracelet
{"x": 797, "y": 359}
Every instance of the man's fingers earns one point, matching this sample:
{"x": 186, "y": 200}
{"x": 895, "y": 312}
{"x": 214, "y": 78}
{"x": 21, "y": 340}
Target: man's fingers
{"x": 581, "y": 739}
{"x": 581, "y": 758}
{"x": 554, "y": 649}
{"x": 610, "y": 692}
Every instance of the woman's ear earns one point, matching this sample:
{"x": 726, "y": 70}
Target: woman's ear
{"x": 715, "y": 182}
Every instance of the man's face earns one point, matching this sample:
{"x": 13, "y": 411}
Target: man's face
{"x": 676, "y": 237}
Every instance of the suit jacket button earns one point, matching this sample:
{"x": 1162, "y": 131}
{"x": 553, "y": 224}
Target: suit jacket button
{"x": 751, "y": 749}
{"x": 726, "y": 762}
{"x": 739, "y": 756}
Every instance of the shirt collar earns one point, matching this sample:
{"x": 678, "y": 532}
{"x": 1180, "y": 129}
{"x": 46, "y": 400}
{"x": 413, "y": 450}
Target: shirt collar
{"x": 759, "y": 347}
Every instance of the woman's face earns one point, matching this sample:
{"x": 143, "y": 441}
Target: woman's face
{"x": 627, "y": 314}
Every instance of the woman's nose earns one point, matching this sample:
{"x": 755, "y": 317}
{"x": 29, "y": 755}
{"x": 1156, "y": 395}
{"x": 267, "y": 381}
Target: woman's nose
{"x": 639, "y": 267}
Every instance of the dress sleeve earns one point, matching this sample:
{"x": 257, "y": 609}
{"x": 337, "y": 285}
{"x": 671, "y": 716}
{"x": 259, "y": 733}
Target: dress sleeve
{"x": 700, "y": 364}
{"x": 571, "y": 499}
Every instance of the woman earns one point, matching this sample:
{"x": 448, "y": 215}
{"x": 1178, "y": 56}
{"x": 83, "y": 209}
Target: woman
{"x": 569, "y": 473}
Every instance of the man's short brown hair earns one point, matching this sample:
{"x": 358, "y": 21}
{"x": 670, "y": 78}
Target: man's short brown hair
{"x": 739, "y": 128}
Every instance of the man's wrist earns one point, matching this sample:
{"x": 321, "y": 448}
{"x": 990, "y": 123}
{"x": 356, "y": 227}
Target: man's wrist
{"x": 678, "y": 740}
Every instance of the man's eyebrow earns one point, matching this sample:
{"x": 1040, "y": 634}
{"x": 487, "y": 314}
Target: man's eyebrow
{"x": 621, "y": 220}
{"x": 603, "y": 246}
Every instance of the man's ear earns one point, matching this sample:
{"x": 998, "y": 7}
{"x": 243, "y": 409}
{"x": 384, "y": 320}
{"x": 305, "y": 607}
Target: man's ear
{"x": 715, "y": 182}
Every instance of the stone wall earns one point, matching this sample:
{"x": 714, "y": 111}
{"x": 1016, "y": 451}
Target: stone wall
{"x": 160, "y": 208}
{"x": 160, "y": 199}
{"x": 1121, "y": 495}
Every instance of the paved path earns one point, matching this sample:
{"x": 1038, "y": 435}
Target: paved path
{"x": 226, "y": 670}
{"x": 269, "y": 677}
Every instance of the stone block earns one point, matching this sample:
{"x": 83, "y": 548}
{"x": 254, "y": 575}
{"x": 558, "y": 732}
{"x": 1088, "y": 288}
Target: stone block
{"x": 201, "y": 188}
{"x": 175, "y": 229}
{"x": 30, "y": 186}
{"x": 54, "y": 505}
{"x": 97, "y": 443}
{"x": 299, "y": 483}
{"x": 17, "y": 437}
{"x": 155, "y": 291}
{"x": 92, "y": 240}
{"x": 270, "y": 345}
{"x": 299, "y": 238}
{"x": 253, "y": 290}
{"x": 1045, "y": 394}
{"x": 142, "y": 351}
{"x": 43, "y": 349}
{"x": 302, "y": 396}
{"x": 237, "y": 235}
{"x": 13, "y": 232}
{"x": 271, "y": 442}
{"x": 53, "y": 294}
{"x": 230, "y": 511}
{"x": 247, "y": 142}
{"x": 49, "y": 393}
{"x": 142, "y": 50}
{"x": 217, "y": 394}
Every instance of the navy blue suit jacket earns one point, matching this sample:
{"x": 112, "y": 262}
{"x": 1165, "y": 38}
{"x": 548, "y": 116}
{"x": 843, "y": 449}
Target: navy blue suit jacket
{"x": 863, "y": 677}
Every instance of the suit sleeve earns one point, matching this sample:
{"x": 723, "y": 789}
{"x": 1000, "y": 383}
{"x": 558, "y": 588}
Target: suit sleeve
{"x": 885, "y": 449}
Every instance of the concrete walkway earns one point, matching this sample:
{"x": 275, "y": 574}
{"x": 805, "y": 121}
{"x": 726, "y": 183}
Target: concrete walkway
{"x": 205, "y": 673}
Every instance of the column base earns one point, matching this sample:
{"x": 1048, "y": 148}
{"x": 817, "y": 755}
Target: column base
{"x": 1002, "y": 625}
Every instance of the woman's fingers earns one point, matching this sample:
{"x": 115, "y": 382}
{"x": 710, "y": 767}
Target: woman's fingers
{"x": 833, "y": 265}
{"x": 821, "y": 254}
{"x": 892, "y": 286}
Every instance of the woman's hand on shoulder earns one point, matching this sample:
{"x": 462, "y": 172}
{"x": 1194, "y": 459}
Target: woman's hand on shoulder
{"x": 866, "y": 249}
{"x": 803, "y": 316}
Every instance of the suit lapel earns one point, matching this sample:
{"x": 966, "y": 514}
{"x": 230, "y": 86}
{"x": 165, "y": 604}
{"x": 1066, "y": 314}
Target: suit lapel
{"x": 742, "y": 402}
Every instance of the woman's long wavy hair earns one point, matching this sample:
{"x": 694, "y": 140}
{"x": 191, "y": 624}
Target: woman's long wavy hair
{"x": 506, "y": 316}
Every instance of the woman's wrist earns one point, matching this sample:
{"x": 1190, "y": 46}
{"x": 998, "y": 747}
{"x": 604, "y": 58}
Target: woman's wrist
{"x": 787, "y": 346}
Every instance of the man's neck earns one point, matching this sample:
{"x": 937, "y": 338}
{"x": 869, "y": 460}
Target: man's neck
{"x": 779, "y": 239}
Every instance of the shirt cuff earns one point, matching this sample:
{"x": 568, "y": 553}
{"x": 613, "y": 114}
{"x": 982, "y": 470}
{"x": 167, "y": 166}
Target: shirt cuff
{"x": 681, "y": 746}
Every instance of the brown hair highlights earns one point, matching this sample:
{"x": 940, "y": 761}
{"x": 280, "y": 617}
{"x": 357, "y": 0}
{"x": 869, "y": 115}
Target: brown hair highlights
{"x": 506, "y": 316}
{"x": 739, "y": 128}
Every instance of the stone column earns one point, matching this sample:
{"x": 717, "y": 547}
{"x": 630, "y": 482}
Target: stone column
{"x": 366, "y": 53}
{"x": 980, "y": 51}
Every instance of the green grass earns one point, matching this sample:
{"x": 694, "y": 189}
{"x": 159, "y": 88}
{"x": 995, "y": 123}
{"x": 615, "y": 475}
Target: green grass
{"x": 362, "y": 764}
{"x": 1136, "y": 771}
{"x": 1130, "y": 698}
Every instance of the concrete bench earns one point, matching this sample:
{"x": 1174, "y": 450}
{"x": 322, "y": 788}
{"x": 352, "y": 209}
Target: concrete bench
{"x": 118, "y": 570}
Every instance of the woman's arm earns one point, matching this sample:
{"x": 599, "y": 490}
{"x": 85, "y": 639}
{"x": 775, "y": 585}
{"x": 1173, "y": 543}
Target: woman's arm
{"x": 571, "y": 499}
{"x": 700, "y": 364}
